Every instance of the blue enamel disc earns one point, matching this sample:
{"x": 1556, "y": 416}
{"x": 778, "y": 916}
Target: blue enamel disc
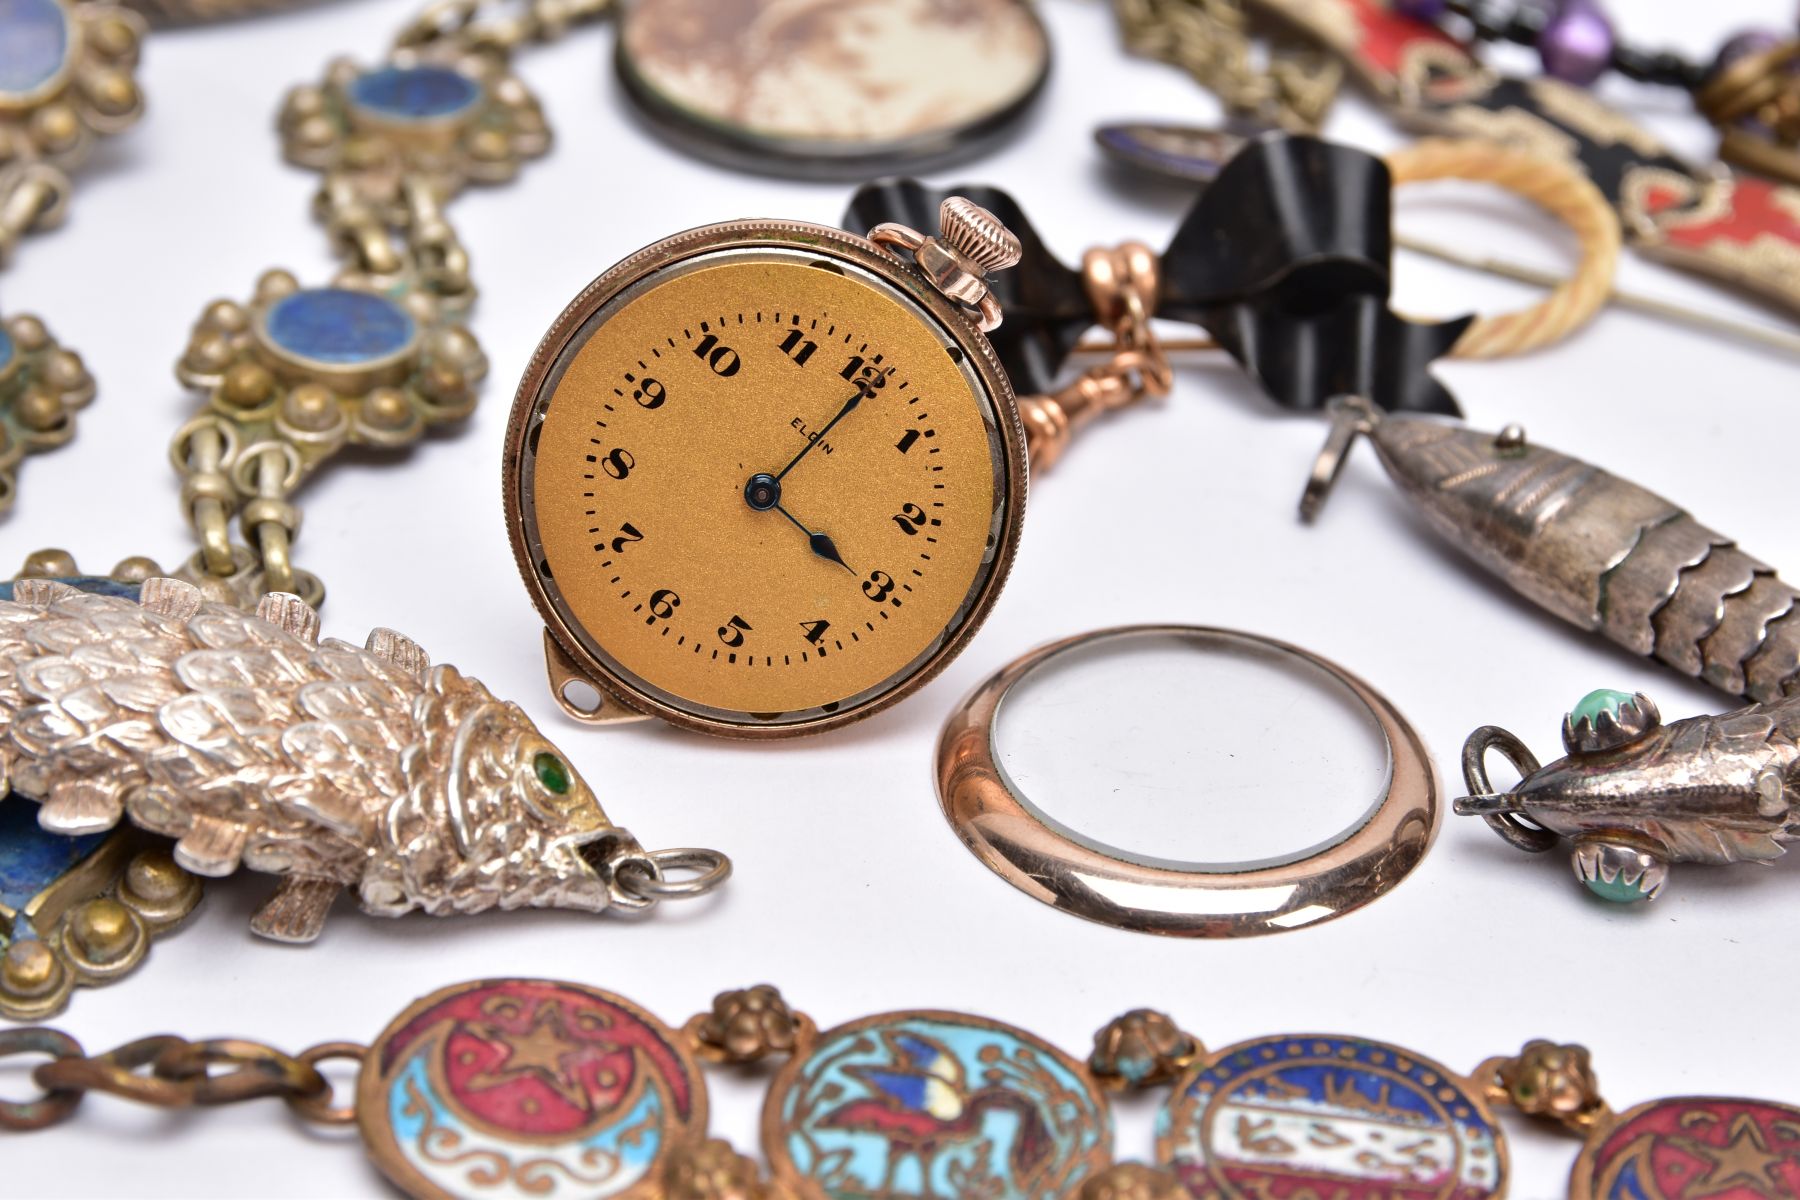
{"x": 414, "y": 93}
{"x": 1330, "y": 1116}
{"x": 338, "y": 327}
{"x": 34, "y": 44}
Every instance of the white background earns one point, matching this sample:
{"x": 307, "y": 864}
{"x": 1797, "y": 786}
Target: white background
{"x": 851, "y": 893}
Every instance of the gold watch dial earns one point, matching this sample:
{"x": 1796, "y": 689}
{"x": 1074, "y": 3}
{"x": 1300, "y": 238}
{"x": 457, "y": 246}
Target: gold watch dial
{"x": 765, "y": 487}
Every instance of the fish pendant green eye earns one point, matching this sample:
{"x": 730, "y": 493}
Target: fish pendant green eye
{"x": 552, "y": 773}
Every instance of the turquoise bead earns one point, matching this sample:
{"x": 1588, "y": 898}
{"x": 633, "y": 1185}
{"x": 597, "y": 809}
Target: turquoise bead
{"x": 339, "y": 327}
{"x": 1601, "y": 700}
{"x": 414, "y": 93}
{"x": 1618, "y": 891}
{"x": 34, "y": 44}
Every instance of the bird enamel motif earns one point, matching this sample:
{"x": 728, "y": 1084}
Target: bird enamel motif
{"x": 926, "y": 1105}
{"x": 256, "y": 744}
{"x": 921, "y": 1103}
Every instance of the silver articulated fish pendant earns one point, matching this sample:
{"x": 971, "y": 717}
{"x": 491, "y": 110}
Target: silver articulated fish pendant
{"x": 1633, "y": 795}
{"x": 253, "y": 743}
{"x": 1598, "y": 551}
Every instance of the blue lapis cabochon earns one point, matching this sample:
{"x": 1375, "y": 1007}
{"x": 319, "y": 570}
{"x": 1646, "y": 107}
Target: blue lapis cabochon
{"x": 7, "y": 349}
{"x": 338, "y": 327}
{"x": 1330, "y": 1116}
{"x": 99, "y": 585}
{"x": 414, "y": 94}
{"x": 35, "y": 38}
{"x": 31, "y": 859}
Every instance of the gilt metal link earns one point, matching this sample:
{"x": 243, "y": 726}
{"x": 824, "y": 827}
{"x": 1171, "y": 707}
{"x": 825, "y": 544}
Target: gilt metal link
{"x": 33, "y": 196}
{"x": 168, "y": 1072}
{"x": 1122, "y": 286}
{"x": 271, "y": 422}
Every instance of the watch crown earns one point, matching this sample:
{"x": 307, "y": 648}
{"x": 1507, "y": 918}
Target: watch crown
{"x": 978, "y": 235}
{"x": 972, "y": 245}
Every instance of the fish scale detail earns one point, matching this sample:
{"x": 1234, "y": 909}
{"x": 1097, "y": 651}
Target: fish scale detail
{"x": 1603, "y": 553}
{"x": 253, "y": 743}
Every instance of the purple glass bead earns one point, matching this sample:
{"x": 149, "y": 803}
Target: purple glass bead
{"x": 1430, "y": 11}
{"x": 1748, "y": 44}
{"x": 1576, "y": 44}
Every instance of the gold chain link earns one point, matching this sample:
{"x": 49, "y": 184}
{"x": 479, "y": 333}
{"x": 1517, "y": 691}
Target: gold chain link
{"x": 33, "y": 196}
{"x": 1122, "y": 286}
{"x": 169, "y": 1072}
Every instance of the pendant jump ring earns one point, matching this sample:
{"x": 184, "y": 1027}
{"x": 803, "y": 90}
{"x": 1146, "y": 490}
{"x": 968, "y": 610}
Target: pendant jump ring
{"x": 647, "y": 876}
{"x": 317, "y": 1107}
{"x": 249, "y": 461}
{"x": 1474, "y": 763}
{"x": 181, "y": 447}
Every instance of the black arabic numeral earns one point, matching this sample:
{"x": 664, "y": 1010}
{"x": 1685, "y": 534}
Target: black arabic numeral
{"x": 650, "y": 393}
{"x": 866, "y": 377}
{"x": 871, "y": 381}
{"x": 798, "y": 348}
{"x": 618, "y": 464}
{"x": 879, "y": 586}
{"x": 628, "y": 533}
{"x": 663, "y": 603}
{"x": 721, "y": 358}
{"x": 910, "y": 519}
{"x": 815, "y": 630}
{"x": 732, "y": 633}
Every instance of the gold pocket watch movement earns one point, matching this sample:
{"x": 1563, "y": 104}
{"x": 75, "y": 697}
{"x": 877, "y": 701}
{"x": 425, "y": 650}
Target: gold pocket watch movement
{"x": 766, "y": 478}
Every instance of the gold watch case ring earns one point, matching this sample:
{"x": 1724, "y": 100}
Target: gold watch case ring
{"x": 568, "y": 661}
{"x": 1048, "y": 862}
